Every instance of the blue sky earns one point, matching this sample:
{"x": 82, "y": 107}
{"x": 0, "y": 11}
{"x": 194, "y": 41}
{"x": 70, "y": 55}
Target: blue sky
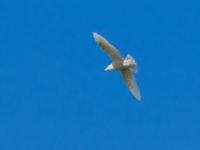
{"x": 55, "y": 95}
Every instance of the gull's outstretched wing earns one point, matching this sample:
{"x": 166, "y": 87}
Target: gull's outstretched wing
{"x": 109, "y": 48}
{"x": 131, "y": 83}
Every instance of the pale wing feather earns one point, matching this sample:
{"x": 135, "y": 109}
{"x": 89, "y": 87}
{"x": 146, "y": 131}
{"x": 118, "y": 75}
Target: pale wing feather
{"x": 131, "y": 83}
{"x": 109, "y": 48}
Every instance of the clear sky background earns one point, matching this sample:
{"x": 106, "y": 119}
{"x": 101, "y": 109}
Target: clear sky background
{"x": 55, "y": 95}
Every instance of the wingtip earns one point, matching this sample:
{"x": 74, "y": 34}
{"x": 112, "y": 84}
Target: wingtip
{"x": 138, "y": 98}
{"x": 137, "y": 95}
{"x": 94, "y": 33}
{"x": 98, "y": 38}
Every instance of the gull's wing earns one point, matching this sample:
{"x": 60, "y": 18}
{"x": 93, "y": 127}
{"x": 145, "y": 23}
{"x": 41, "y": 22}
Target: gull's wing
{"x": 109, "y": 48}
{"x": 131, "y": 83}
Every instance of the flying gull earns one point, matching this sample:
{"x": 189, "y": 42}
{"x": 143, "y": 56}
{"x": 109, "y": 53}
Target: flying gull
{"x": 126, "y": 66}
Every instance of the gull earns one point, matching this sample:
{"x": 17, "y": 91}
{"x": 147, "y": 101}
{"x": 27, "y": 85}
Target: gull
{"x": 127, "y": 66}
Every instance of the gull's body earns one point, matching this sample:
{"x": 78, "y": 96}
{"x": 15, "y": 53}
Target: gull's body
{"x": 126, "y": 66}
